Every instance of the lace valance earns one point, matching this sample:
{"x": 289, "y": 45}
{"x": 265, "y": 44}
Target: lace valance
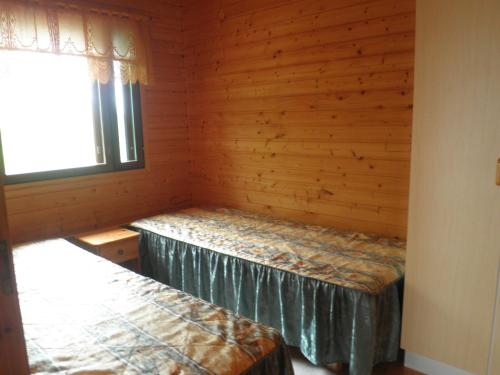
{"x": 101, "y": 38}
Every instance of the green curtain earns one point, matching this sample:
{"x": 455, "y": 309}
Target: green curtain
{"x": 327, "y": 322}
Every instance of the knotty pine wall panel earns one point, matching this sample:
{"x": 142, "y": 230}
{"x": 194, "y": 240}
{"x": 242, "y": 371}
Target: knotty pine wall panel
{"x": 63, "y": 207}
{"x": 302, "y": 109}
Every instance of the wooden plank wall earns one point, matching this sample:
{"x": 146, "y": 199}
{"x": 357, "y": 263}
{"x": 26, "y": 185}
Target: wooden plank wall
{"x": 62, "y": 207}
{"x": 302, "y": 109}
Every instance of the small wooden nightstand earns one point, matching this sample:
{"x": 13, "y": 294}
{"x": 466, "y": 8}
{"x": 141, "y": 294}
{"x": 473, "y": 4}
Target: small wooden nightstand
{"x": 118, "y": 245}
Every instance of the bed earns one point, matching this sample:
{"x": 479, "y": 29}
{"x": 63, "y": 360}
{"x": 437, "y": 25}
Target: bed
{"x": 334, "y": 294}
{"x": 83, "y": 314}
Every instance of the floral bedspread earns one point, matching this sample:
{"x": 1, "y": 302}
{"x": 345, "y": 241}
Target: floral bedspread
{"x": 85, "y": 315}
{"x": 359, "y": 261}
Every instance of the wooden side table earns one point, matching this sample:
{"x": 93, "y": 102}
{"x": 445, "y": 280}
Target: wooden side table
{"x": 118, "y": 245}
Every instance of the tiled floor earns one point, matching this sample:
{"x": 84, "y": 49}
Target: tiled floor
{"x": 302, "y": 367}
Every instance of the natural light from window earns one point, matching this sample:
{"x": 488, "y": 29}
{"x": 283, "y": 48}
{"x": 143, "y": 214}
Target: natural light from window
{"x": 120, "y": 113}
{"x": 46, "y": 119}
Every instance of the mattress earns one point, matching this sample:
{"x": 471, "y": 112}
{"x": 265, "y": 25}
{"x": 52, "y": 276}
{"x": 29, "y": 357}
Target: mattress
{"x": 354, "y": 260}
{"x": 334, "y": 294}
{"x": 84, "y": 314}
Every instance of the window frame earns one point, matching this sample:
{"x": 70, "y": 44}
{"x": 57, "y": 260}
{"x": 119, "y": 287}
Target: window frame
{"x": 110, "y": 139}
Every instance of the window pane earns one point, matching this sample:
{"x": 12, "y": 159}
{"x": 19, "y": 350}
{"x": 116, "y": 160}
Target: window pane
{"x": 125, "y": 117}
{"x": 47, "y": 117}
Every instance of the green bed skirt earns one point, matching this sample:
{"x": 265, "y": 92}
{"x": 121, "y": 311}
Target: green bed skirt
{"x": 327, "y": 322}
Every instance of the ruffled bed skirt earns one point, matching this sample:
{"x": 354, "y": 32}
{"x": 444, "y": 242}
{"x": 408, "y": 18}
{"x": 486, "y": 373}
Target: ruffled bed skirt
{"x": 327, "y": 322}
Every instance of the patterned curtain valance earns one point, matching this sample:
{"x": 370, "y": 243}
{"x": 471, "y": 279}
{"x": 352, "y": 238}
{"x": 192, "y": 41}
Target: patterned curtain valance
{"x": 101, "y": 38}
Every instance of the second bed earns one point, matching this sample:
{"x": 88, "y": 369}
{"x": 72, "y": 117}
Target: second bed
{"x": 334, "y": 294}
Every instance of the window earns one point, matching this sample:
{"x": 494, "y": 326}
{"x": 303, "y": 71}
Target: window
{"x": 56, "y": 122}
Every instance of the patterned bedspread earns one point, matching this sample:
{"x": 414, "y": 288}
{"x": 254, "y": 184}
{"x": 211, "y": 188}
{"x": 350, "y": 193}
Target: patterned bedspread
{"x": 349, "y": 259}
{"x": 83, "y": 314}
